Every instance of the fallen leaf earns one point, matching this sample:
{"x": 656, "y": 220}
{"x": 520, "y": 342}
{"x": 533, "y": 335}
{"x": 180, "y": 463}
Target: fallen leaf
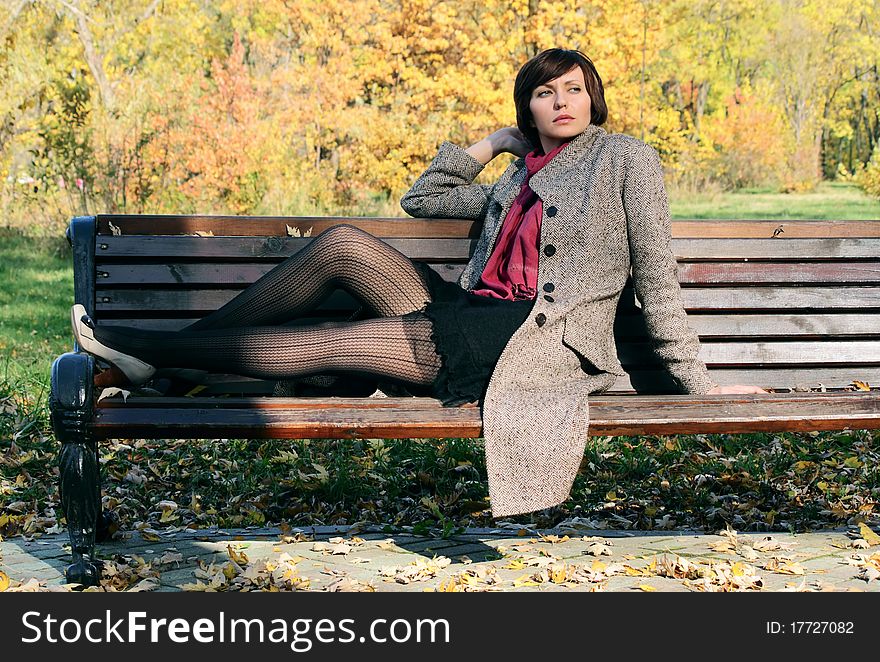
{"x": 786, "y": 568}
{"x": 236, "y": 556}
{"x": 149, "y": 584}
{"x": 723, "y": 546}
{"x": 524, "y": 580}
{"x": 168, "y": 558}
{"x": 870, "y": 537}
{"x": 598, "y": 549}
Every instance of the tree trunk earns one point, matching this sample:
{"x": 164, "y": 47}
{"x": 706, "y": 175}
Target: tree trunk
{"x": 95, "y": 60}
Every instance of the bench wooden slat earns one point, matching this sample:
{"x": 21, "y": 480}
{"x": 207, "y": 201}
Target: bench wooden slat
{"x": 269, "y": 226}
{"x": 707, "y": 326}
{"x": 608, "y": 416}
{"x": 190, "y": 301}
{"x": 432, "y": 404}
{"x": 202, "y": 274}
{"x": 852, "y": 352}
{"x": 786, "y": 273}
{"x": 767, "y": 377}
{"x": 128, "y": 248}
{"x": 689, "y": 273}
{"x": 412, "y": 227}
{"x": 236, "y": 249}
{"x": 647, "y": 380}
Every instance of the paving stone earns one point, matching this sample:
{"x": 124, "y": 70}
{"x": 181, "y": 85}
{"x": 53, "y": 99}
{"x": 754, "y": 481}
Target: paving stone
{"x": 175, "y": 578}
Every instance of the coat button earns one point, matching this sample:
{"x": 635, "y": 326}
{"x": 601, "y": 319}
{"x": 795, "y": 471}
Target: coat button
{"x": 549, "y": 287}
{"x": 547, "y": 297}
{"x": 540, "y": 318}
{"x": 549, "y": 250}
{"x": 551, "y": 211}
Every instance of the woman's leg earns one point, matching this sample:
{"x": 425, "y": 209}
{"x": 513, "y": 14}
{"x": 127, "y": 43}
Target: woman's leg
{"x": 340, "y": 257}
{"x": 396, "y": 348}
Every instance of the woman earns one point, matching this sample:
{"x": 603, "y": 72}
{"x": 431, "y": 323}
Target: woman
{"x": 528, "y": 329}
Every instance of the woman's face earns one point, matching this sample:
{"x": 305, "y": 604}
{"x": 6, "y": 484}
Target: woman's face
{"x": 556, "y": 99}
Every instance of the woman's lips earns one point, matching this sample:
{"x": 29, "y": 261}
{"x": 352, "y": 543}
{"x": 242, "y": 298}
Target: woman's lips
{"x": 563, "y": 120}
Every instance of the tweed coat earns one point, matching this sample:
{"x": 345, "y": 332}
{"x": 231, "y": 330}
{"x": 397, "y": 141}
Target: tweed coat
{"x": 605, "y": 213}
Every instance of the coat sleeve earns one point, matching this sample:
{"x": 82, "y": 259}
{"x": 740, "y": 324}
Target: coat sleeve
{"x": 655, "y": 271}
{"x": 446, "y": 188}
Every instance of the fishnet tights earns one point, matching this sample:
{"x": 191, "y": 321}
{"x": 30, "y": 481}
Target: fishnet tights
{"x": 241, "y": 337}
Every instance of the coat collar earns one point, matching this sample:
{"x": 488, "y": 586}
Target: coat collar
{"x": 545, "y": 180}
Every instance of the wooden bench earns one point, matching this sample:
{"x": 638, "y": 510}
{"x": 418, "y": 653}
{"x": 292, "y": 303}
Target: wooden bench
{"x": 792, "y": 306}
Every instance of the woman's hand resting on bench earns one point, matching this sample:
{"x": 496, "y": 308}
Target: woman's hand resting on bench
{"x": 737, "y": 388}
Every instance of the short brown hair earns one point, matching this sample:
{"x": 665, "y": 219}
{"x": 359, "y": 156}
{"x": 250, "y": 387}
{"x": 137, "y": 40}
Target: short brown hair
{"x": 546, "y": 66}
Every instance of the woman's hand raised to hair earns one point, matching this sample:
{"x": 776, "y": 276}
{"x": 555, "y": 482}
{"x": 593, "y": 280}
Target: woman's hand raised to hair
{"x": 512, "y": 140}
{"x": 509, "y": 139}
{"x": 737, "y": 388}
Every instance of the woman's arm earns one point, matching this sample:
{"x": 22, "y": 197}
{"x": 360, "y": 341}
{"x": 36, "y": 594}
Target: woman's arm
{"x": 655, "y": 271}
{"x": 655, "y": 276}
{"x": 445, "y": 189}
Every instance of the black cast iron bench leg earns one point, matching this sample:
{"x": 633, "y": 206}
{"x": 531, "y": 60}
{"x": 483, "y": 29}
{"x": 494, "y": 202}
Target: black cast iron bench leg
{"x": 72, "y": 408}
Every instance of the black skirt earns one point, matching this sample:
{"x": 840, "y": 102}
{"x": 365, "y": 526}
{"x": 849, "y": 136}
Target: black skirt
{"x": 470, "y": 332}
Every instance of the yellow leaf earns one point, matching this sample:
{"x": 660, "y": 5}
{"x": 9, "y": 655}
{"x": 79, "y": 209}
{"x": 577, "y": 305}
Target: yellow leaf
{"x": 611, "y": 495}
{"x": 739, "y": 569}
{"x": 861, "y": 386}
{"x": 598, "y": 566}
{"x": 239, "y": 557}
{"x": 852, "y": 462}
{"x": 4, "y": 582}
{"x": 870, "y": 537}
{"x": 557, "y": 575}
{"x": 647, "y": 587}
{"x": 524, "y": 580}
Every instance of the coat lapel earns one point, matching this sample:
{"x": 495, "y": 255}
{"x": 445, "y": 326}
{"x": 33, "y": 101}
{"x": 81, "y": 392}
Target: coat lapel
{"x": 546, "y": 181}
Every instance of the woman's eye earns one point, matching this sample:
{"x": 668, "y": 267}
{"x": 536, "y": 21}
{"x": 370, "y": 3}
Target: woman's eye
{"x": 569, "y": 89}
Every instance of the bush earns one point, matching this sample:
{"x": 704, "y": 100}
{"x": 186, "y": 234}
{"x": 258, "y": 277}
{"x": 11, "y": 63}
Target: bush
{"x": 749, "y": 144}
{"x": 868, "y": 177}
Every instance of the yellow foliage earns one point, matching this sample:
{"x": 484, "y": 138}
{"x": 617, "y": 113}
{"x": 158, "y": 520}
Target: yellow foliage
{"x": 280, "y": 107}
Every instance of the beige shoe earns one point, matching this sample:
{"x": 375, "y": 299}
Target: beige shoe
{"x": 135, "y": 370}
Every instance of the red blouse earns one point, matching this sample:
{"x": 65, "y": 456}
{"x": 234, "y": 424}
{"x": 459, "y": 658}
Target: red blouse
{"x": 512, "y": 270}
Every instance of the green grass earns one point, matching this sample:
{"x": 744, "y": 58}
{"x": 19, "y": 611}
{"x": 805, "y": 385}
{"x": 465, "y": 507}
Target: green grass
{"x": 752, "y": 482}
{"x": 37, "y": 291}
{"x": 830, "y": 200}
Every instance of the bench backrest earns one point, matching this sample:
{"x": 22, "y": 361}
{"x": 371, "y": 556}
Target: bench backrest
{"x": 780, "y": 304}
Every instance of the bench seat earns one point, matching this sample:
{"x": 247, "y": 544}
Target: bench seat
{"x": 396, "y": 418}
